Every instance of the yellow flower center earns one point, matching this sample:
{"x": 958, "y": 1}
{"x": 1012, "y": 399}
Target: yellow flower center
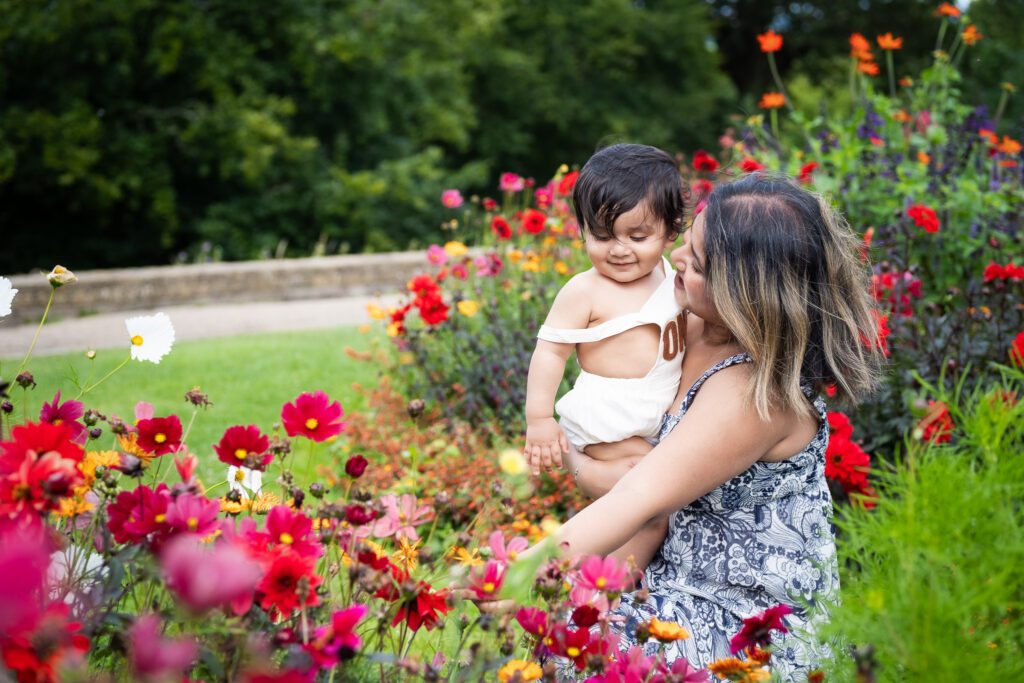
{"x": 512, "y": 555}
{"x": 160, "y": 519}
{"x": 193, "y": 523}
{"x": 160, "y": 438}
{"x": 58, "y": 422}
{"x": 286, "y": 538}
{"x": 241, "y": 453}
{"x": 311, "y": 423}
{"x": 137, "y": 340}
{"x": 488, "y": 587}
{"x": 239, "y": 475}
{"x": 572, "y": 651}
{"x": 601, "y": 582}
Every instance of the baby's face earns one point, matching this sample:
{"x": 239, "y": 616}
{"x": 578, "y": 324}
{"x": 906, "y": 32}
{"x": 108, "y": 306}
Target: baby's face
{"x": 639, "y": 240}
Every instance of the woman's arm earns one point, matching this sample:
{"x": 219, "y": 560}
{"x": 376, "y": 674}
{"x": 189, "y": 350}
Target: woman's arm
{"x": 718, "y": 438}
{"x": 597, "y": 472}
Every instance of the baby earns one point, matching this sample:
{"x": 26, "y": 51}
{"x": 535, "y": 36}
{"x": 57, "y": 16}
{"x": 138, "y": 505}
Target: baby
{"x": 620, "y": 317}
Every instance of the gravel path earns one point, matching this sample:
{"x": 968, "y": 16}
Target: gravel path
{"x": 190, "y": 322}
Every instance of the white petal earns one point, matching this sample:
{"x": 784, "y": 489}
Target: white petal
{"x": 157, "y": 334}
{"x": 7, "y": 293}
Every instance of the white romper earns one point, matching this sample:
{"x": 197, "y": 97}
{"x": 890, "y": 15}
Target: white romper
{"x": 608, "y": 409}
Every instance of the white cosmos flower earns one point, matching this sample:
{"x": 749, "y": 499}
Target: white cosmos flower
{"x": 245, "y": 481}
{"x": 152, "y": 336}
{"x": 7, "y": 293}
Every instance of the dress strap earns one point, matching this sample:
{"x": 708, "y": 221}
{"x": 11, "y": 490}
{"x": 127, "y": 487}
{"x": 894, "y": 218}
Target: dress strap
{"x": 721, "y": 365}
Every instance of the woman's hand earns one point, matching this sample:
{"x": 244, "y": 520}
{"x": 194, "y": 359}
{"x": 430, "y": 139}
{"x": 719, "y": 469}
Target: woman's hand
{"x": 486, "y": 606}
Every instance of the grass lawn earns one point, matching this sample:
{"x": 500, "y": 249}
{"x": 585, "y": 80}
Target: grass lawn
{"x": 248, "y": 379}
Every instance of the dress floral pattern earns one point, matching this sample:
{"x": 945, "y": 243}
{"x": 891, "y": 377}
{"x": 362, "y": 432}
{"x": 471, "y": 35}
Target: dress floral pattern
{"x": 760, "y": 539}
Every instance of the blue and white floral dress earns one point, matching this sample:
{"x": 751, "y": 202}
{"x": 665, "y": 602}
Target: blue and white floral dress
{"x": 760, "y": 539}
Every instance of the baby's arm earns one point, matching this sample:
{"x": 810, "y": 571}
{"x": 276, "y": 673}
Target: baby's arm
{"x": 545, "y": 441}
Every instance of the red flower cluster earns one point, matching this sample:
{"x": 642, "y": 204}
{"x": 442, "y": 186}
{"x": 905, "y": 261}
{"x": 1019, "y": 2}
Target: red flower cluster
{"x": 244, "y": 446}
{"x": 1017, "y": 351}
{"x": 757, "y": 630}
{"x": 38, "y": 469}
{"x": 501, "y": 228}
{"x": 418, "y": 604}
{"x": 805, "y": 172}
{"x": 139, "y": 515}
{"x": 937, "y": 424}
{"x": 37, "y": 655}
{"x": 314, "y": 416}
{"x": 897, "y": 289}
{"x": 845, "y": 461}
{"x": 924, "y": 217}
{"x": 160, "y": 435}
{"x": 994, "y": 271}
{"x": 702, "y": 161}
{"x": 750, "y": 165}
{"x": 568, "y": 182}
{"x": 428, "y": 299}
{"x": 534, "y": 221}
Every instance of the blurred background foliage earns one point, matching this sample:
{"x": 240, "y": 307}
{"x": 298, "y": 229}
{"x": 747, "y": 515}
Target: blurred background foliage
{"x": 138, "y": 132}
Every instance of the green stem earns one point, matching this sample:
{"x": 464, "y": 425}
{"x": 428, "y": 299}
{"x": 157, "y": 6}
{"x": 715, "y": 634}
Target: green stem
{"x": 775, "y": 123}
{"x": 777, "y": 77}
{"x": 35, "y": 338}
{"x": 942, "y": 34}
{"x": 892, "y": 75}
{"x": 103, "y": 379}
{"x": 1000, "y": 109}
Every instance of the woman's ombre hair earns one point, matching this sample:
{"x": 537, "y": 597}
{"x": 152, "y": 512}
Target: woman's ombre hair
{"x": 785, "y": 274}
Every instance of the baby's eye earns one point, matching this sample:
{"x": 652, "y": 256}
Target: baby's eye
{"x": 639, "y": 238}
{"x": 601, "y": 238}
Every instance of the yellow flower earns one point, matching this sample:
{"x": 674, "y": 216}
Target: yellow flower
{"x": 1007, "y": 86}
{"x": 455, "y": 249}
{"x": 512, "y": 461}
{"x": 72, "y": 507}
{"x": 549, "y": 241}
{"x": 465, "y": 557}
{"x": 364, "y": 328}
{"x": 94, "y": 459}
{"x": 667, "y": 631}
{"x": 264, "y": 502}
{"x": 561, "y": 268}
{"x": 406, "y": 358}
{"x": 549, "y": 526}
{"x": 521, "y": 670}
{"x": 408, "y": 555}
{"x": 468, "y": 308}
{"x": 515, "y": 256}
{"x": 375, "y": 311}
{"x": 230, "y": 506}
{"x": 394, "y": 329}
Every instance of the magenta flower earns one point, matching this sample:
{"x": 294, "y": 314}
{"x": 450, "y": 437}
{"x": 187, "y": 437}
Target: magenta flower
{"x": 293, "y": 529}
{"x": 205, "y": 576}
{"x": 684, "y": 672}
{"x": 314, "y": 416}
{"x": 603, "y": 573}
{"x": 67, "y": 414}
{"x": 401, "y": 516}
{"x": 451, "y": 198}
{"x": 510, "y": 182}
{"x": 506, "y": 552}
{"x": 757, "y": 630}
{"x": 487, "y": 583}
{"x": 338, "y": 641}
{"x": 23, "y": 564}
{"x": 193, "y": 514}
{"x": 153, "y": 656}
{"x": 533, "y": 620}
{"x": 437, "y": 255}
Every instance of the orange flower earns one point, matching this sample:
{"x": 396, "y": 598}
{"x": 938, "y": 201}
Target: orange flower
{"x": 667, "y": 631}
{"x": 772, "y": 100}
{"x": 906, "y": 82}
{"x": 902, "y": 116}
{"x": 1009, "y": 146}
{"x": 889, "y": 42}
{"x": 971, "y": 35}
{"x": 869, "y": 68}
{"x": 860, "y": 48}
{"x": 947, "y": 10}
{"x": 770, "y": 41}
{"x": 988, "y": 135}
{"x": 924, "y": 158}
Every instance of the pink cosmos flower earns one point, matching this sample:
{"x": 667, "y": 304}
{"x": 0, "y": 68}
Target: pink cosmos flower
{"x": 144, "y": 411}
{"x": 544, "y": 195}
{"x": 186, "y": 466}
{"x": 451, "y": 198}
{"x": 293, "y": 529}
{"x": 533, "y": 620}
{"x": 338, "y": 641}
{"x": 153, "y": 656}
{"x": 314, "y": 416}
{"x": 205, "y": 576}
{"x": 401, "y": 516}
{"x": 437, "y": 255}
{"x": 193, "y": 514}
{"x": 67, "y": 414}
{"x": 510, "y": 182}
{"x": 603, "y": 574}
{"x": 23, "y": 564}
{"x": 487, "y": 583}
{"x": 506, "y": 552}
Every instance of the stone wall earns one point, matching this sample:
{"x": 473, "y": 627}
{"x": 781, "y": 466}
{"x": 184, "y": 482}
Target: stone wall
{"x": 134, "y": 289}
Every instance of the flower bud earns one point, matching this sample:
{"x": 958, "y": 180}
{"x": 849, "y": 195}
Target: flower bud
{"x": 95, "y": 433}
{"x": 91, "y": 354}
{"x": 7, "y": 407}
{"x": 25, "y": 380}
{"x": 298, "y": 495}
{"x": 4, "y": 385}
{"x": 355, "y": 466}
{"x": 61, "y": 276}
{"x": 317, "y": 490}
{"x": 197, "y": 398}
{"x": 415, "y": 408}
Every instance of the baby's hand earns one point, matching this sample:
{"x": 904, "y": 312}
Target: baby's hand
{"x": 545, "y": 443}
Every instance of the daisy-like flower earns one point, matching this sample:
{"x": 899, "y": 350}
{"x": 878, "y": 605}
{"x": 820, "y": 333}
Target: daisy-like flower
{"x": 160, "y": 435}
{"x": 667, "y": 631}
{"x": 61, "y": 276}
{"x": 193, "y": 514}
{"x": 520, "y": 670}
{"x": 314, "y": 416}
{"x": 603, "y": 573}
{"x": 486, "y": 583}
{"x": 289, "y": 583}
{"x": 337, "y": 641}
{"x": 757, "y": 630}
{"x": 67, "y": 414}
{"x": 244, "y": 446}
{"x": 247, "y": 482}
{"x": 152, "y": 336}
{"x": 7, "y": 293}
{"x": 401, "y": 516}
{"x": 506, "y": 552}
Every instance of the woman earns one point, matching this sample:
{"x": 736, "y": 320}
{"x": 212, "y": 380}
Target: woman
{"x": 778, "y": 310}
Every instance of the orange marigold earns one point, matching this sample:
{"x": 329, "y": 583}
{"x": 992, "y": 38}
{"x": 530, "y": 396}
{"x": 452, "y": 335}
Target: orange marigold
{"x": 924, "y": 158}
{"x": 860, "y": 48}
{"x": 1009, "y": 146}
{"x": 902, "y": 116}
{"x": 971, "y": 35}
{"x": 770, "y": 41}
{"x": 906, "y": 82}
{"x": 947, "y": 10}
{"x": 772, "y": 100}
{"x": 869, "y": 68}
{"x": 890, "y": 42}
{"x": 667, "y": 631}
{"x": 988, "y": 136}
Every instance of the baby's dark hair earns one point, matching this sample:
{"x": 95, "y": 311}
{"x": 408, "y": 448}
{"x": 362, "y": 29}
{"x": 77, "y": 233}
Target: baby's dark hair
{"x": 619, "y": 177}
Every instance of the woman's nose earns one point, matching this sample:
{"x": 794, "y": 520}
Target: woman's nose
{"x": 676, "y": 257}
